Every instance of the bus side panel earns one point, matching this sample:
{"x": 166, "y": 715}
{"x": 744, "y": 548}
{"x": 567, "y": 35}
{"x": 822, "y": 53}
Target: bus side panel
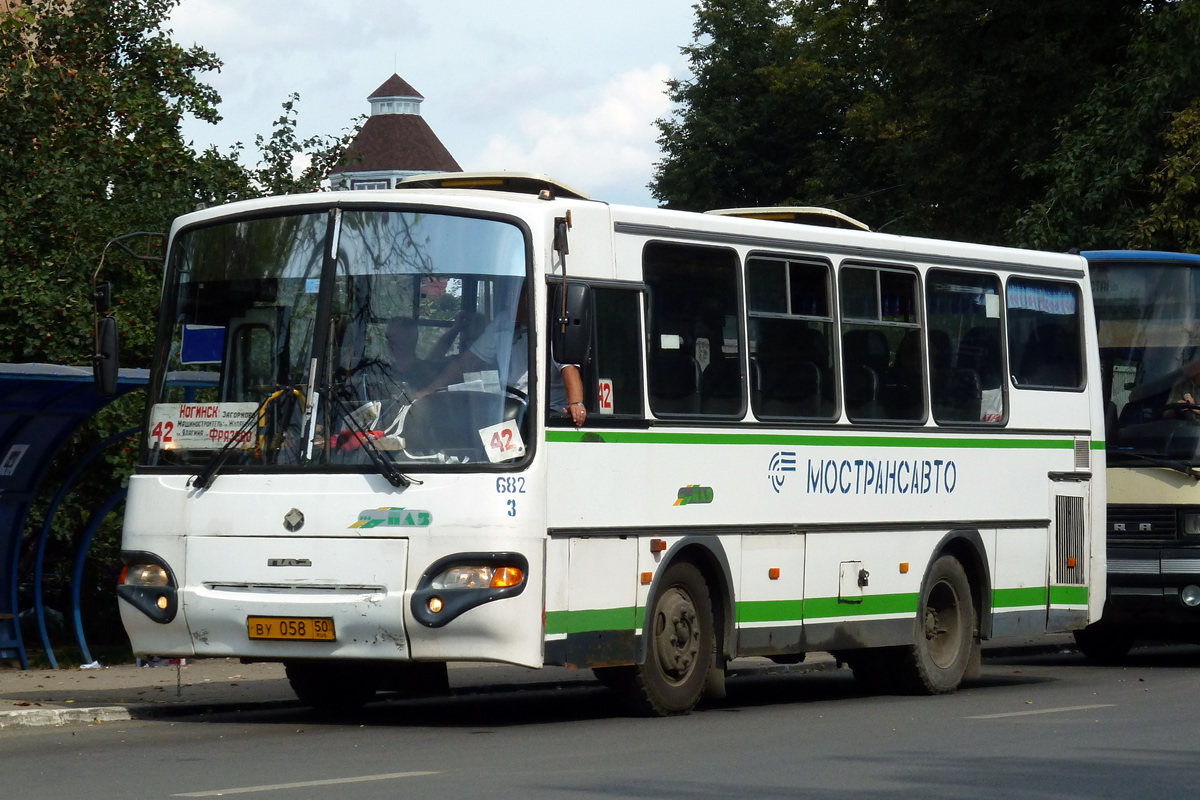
{"x": 599, "y": 626}
{"x": 1019, "y": 590}
{"x": 857, "y": 594}
{"x": 770, "y": 595}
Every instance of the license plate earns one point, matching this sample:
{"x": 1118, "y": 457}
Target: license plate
{"x": 310, "y": 629}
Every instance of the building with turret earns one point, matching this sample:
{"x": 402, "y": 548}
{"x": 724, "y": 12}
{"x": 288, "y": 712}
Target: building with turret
{"x": 395, "y": 142}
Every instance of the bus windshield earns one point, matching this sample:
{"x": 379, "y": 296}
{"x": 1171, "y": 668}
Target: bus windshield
{"x": 1149, "y": 333}
{"x": 277, "y": 357}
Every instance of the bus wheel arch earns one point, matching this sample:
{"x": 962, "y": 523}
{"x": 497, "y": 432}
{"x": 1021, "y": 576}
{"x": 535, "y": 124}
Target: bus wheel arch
{"x": 708, "y": 556}
{"x": 966, "y": 545}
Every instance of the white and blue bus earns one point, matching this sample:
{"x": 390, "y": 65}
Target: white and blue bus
{"x": 1148, "y": 312}
{"x": 798, "y": 438}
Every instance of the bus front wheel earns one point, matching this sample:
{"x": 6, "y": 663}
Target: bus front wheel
{"x": 332, "y": 686}
{"x": 679, "y": 646}
{"x": 944, "y": 634}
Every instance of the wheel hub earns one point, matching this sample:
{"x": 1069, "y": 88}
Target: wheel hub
{"x": 676, "y": 634}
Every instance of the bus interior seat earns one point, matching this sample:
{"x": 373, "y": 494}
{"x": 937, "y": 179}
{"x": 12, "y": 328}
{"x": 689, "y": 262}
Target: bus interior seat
{"x": 1047, "y": 360}
{"x": 904, "y": 391}
{"x": 865, "y": 355}
{"x": 789, "y": 388}
{"x": 979, "y": 350}
{"x": 674, "y": 378}
{"x": 721, "y": 386}
{"x": 957, "y": 395}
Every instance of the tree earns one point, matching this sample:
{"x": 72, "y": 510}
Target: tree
{"x": 913, "y": 115}
{"x": 1125, "y": 165}
{"x": 91, "y": 97}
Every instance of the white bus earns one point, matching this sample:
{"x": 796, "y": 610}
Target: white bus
{"x": 799, "y": 438}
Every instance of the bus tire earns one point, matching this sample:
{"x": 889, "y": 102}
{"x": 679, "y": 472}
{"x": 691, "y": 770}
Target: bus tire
{"x": 1104, "y": 644}
{"x": 679, "y": 646}
{"x": 875, "y": 669}
{"x": 332, "y": 686}
{"x": 944, "y": 633}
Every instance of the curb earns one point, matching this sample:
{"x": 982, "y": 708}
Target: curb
{"x": 37, "y": 717}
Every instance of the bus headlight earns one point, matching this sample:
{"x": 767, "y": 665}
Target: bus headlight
{"x": 1190, "y": 595}
{"x": 454, "y": 584}
{"x": 143, "y": 575}
{"x": 1190, "y": 523}
{"x": 148, "y": 584}
{"x": 478, "y": 577}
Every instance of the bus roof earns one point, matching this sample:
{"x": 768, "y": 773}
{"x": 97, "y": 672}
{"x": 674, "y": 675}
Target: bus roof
{"x": 1139, "y": 255}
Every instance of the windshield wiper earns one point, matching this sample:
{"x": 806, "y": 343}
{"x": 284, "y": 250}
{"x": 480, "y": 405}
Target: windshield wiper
{"x": 204, "y": 478}
{"x": 385, "y": 465}
{"x": 1157, "y": 461}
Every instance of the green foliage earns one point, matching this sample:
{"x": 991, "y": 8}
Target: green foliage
{"x": 91, "y": 97}
{"x": 1173, "y": 222}
{"x": 947, "y": 118}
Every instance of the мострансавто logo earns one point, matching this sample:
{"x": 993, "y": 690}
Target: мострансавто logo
{"x": 781, "y": 464}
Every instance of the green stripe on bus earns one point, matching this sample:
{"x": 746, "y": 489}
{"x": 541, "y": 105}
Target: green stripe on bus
{"x": 598, "y": 619}
{"x": 1068, "y": 595}
{"x": 1016, "y": 598}
{"x": 770, "y": 611}
{"x": 805, "y": 440}
{"x": 830, "y": 607}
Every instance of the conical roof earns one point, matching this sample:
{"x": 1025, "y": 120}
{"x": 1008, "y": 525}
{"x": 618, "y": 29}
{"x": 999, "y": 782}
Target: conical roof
{"x": 395, "y": 86}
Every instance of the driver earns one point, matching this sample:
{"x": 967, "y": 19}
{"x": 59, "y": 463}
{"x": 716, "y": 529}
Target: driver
{"x": 566, "y": 384}
{"x": 1185, "y": 392}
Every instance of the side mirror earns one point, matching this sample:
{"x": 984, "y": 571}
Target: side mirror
{"x": 105, "y": 362}
{"x": 571, "y": 327}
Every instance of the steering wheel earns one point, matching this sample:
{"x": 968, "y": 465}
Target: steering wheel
{"x": 1182, "y": 406}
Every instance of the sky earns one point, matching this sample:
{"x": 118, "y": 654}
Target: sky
{"x": 566, "y": 88}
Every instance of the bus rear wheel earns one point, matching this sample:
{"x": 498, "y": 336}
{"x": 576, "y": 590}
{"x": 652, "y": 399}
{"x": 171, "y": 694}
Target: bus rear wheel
{"x": 944, "y": 634}
{"x": 679, "y": 646}
{"x": 332, "y": 686}
{"x": 1104, "y": 644}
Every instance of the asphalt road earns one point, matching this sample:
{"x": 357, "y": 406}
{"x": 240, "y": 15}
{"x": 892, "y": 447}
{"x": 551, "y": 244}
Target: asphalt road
{"x": 1034, "y": 726}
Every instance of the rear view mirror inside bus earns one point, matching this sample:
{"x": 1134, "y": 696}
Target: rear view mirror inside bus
{"x": 571, "y": 318}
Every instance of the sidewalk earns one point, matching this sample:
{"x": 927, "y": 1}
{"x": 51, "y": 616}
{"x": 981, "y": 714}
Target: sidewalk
{"x": 122, "y": 692}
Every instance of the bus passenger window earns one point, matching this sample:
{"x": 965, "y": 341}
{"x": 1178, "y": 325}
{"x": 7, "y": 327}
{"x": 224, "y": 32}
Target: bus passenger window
{"x": 965, "y": 360}
{"x": 1045, "y": 341}
{"x": 791, "y": 339}
{"x": 694, "y": 362}
{"x": 881, "y": 345}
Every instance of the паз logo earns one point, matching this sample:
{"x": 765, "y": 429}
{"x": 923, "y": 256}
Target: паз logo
{"x": 781, "y": 464}
{"x": 393, "y": 518}
{"x": 694, "y": 494}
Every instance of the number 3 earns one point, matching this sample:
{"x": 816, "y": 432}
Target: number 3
{"x": 512, "y": 508}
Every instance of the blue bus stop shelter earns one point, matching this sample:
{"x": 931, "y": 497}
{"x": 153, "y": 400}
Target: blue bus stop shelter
{"x": 41, "y": 407}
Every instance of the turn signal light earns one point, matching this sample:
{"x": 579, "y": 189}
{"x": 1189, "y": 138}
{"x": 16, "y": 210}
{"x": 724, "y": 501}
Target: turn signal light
{"x": 504, "y": 577}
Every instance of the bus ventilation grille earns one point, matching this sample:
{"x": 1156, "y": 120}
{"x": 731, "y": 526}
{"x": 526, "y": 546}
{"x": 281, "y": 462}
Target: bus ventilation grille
{"x": 1083, "y": 456}
{"x": 1069, "y": 538}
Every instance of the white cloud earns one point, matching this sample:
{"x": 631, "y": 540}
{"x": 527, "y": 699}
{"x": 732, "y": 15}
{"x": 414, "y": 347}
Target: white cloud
{"x": 606, "y": 150}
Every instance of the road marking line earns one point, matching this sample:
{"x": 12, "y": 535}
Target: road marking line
{"x": 300, "y": 785}
{"x": 1043, "y": 711}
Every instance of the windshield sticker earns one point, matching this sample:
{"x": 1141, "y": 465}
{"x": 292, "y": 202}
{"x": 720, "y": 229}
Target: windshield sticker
{"x": 202, "y": 344}
{"x": 393, "y": 518}
{"x": 605, "y": 392}
{"x": 312, "y": 285}
{"x": 200, "y": 426}
{"x": 502, "y": 442}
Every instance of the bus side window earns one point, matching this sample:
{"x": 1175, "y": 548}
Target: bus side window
{"x": 1045, "y": 341}
{"x": 791, "y": 339}
{"x": 694, "y": 363}
{"x": 881, "y": 345}
{"x": 965, "y": 355}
